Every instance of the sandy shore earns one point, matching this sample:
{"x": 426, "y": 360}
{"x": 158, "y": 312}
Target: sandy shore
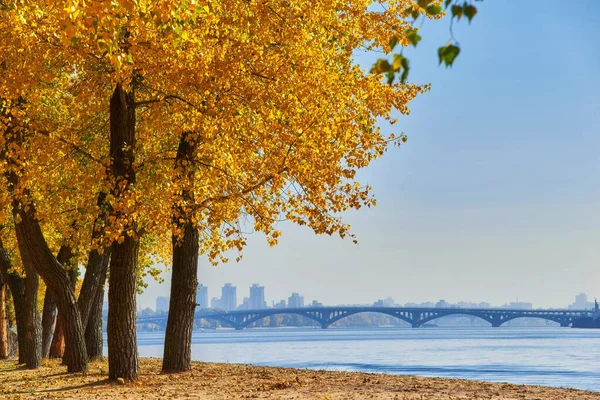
{"x": 228, "y": 381}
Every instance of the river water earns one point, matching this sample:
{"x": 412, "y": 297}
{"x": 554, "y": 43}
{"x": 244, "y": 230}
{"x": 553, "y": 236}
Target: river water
{"x": 561, "y": 357}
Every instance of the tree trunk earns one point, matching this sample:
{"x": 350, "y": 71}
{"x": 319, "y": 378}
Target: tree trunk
{"x": 184, "y": 278}
{"x": 122, "y": 343}
{"x": 48, "y": 322}
{"x": 3, "y": 322}
{"x": 32, "y": 346}
{"x": 57, "y": 346}
{"x": 37, "y": 258}
{"x": 95, "y": 270}
{"x": 93, "y": 332}
{"x": 184, "y": 283}
{"x": 17, "y": 290}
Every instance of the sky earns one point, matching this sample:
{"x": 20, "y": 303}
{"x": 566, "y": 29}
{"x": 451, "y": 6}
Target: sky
{"x": 496, "y": 195}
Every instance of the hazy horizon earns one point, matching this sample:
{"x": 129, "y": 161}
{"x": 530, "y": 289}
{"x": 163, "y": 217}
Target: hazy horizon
{"x": 494, "y": 197}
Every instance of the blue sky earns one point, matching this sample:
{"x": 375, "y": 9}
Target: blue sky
{"x": 496, "y": 194}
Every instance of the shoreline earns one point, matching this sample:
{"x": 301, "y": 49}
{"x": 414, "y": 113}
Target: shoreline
{"x": 213, "y": 381}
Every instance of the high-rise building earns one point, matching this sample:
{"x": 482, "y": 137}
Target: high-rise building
{"x": 257, "y": 297}
{"x": 228, "y": 297}
{"x": 162, "y": 304}
{"x": 202, "y": 297}
{"x": 295, "y": 301}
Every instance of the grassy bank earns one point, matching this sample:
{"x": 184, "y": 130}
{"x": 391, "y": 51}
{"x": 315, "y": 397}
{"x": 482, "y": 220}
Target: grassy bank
{"x": 226, "y": 381}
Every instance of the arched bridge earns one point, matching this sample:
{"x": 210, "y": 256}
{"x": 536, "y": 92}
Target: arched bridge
{"x": 325, "y": 316}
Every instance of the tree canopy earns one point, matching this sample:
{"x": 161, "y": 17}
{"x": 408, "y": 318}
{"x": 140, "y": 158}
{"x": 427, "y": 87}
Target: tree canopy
{"x": 129, "y": 124}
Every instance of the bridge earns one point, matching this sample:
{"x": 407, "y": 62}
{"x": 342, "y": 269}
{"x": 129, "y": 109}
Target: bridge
{"x": 416, "y": 316}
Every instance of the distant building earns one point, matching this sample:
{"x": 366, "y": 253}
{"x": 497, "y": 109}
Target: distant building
{"x": 281, "y": 304}
{"x": 581, "y": 303}
{"x": 442, "y": 304}
{"x": 295, "y": 301}
{"x": 387, "y": 302}
{"x": 162, "y": 304}
{"x": 427, "y": 304}
{"x": 215, "y": 303}
{"x": 518, "y": 305}
{"x": 257, "y": 297}
{"x": 316, "y": 303}
{"x": 202, "y": 297}
{"x": 245, "y": 304}
{"x": 228, "y": 297}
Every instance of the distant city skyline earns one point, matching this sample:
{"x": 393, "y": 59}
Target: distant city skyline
{"x": 257, "y": 300}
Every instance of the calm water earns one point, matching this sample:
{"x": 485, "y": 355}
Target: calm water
{"x": 541, "y": 356}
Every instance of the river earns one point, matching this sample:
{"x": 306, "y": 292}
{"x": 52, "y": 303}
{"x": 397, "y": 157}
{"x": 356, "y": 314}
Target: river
{"x": 560, "y": 357}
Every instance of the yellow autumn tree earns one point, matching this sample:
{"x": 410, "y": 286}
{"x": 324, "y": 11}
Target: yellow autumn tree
{"x": 194, "y": 121}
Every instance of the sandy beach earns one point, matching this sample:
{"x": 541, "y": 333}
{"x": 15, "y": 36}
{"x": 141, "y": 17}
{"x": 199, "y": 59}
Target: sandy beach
{"x": 213, "y": 381}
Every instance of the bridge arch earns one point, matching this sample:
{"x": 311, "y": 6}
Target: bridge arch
{"x": 562, "y": 321}
{"x": 435, "y": 316}
{"x": 395, "y": 314}
{"x": 268, "y": 313}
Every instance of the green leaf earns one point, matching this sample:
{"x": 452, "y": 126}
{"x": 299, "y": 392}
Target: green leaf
{"x": 129, "y": 59}
{"x": 404, "y": 76}
{"x": 423, "y": 3}
{"x": 434, "y": 10}
{"x": 397, "y": 62}
{"x": 382, "y": 65}
{"x": 447, "y": 54}
{"x": 469, "y": 11}
{"x": 390, "y": 77}
{"x": 405, "y": 63}
{"x": 457, "y": 11}
{"x": 447, "y": 3}
{"x": 413, "y": 36}
{"x": 393, "y": 42}
{"x": 415, "y": 14}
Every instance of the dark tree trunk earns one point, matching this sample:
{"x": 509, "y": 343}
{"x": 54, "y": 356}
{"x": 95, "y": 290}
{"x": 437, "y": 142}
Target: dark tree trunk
{"x": 121, "y": 329}
{"x": 184, "y": 283}
{"x": 184, "y": 279}
{"x": 95, "y": 270}
{"x": 17, "y": 290}
{"x": 3, "y": 321}
{"x": 93, "y": 332}
{"x": 48, "y": 322}
{"x": 32, "y": 346}
{"x": 37, "y": 258}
